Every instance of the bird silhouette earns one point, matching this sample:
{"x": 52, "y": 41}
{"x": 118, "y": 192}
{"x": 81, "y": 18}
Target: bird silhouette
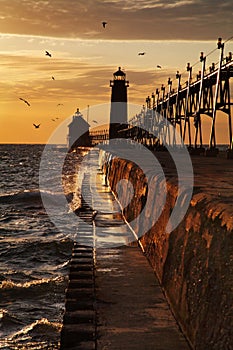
{"x": 104, "y": 24}
{"x": 94, "y": 121}
{"x": 53, "y": 120}
{"x": 22, "y": 99}
{"x": 141, "y": 53}
{"x": 60, "y": 104}
{"x": 53, "y": 78}
{"x": 36, "y": 126}
{"x": 158, "y": 66}
{"x": 48, "y": 54}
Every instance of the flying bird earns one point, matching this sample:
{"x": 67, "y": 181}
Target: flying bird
{"x": 141, "y": 53}
{"x": 60, "y": 104}
{"x": 158, "y": 66}
{"x": 53, "y": 78}
{"x": 104, "y": 24}
{"x": 36, "y": 126}
{"x": 48, "y": 54}
{"x": 22, "y": 99}
{"x": 53, "y": 120}
{"x": 94, "y": 121}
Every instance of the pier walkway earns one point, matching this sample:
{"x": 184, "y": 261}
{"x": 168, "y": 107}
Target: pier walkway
{"x": 114, "y": 300}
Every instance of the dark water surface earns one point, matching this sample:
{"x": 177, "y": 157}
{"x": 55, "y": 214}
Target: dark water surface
{"x": 34, "y": 255}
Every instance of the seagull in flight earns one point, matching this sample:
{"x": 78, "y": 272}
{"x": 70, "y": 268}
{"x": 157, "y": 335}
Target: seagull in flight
{"x": 53, "y": 78}
{"x": 60, "y": 104}
{"x": 94, "y": 121}
{"x": 36, "y": 126}
{"x": 158, "y": 66}
{"x": 141, "y": 53}
{"x": 22, "y": 99}
{"x": 48, "y": 54}
{"x": 104, "y": 24}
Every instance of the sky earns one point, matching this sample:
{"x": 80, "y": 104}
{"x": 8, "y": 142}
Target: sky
{"x": 85, "y": 55}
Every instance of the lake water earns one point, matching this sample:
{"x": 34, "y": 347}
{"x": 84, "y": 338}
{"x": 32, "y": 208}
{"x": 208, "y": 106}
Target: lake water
{"x": 34, "y": 254}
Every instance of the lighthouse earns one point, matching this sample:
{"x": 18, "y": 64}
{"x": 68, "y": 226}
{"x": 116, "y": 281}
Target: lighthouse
{"x": 78, "y": 132}
{"x": 118, "y": 113}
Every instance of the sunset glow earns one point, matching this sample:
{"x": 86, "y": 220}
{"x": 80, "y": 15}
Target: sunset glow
{"x": 85, "y": 55}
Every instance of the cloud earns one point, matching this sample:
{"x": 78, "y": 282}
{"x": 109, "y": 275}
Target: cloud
{"x": 74, "y": 80}
{"x": 31, "y": 76}
{"x": 180, "y": 3}
{"x": 131, "y": 5}
{"x": 145, "y": 19}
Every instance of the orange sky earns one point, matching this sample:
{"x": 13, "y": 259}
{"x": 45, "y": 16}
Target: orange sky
{"x": 85, "y": 55}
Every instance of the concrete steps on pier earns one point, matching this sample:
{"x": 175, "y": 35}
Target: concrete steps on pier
{"x": 114, "y": 300}
{"x": 79, "y": 322}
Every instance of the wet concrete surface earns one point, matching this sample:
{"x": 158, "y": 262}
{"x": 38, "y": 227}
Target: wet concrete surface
{"x": 114, "y": 300}
{"x": 131, "y": 310}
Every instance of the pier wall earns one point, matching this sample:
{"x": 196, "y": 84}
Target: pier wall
{"x": 194, "y": 263}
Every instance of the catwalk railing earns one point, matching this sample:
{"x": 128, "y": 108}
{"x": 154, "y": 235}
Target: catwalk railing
{"x": 209, "y": 93}
{"x": 97, "y": 136}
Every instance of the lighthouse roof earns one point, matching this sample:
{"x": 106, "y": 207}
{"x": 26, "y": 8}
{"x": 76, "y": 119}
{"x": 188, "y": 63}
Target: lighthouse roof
{"x": 119, "y": 72}
{"x": 78, "y": 121}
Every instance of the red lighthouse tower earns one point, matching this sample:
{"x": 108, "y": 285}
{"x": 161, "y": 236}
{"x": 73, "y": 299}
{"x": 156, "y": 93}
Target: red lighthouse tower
{"x": 118, "y": 114}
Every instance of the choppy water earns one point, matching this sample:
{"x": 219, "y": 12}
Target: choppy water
{"x": 34, "y": 255}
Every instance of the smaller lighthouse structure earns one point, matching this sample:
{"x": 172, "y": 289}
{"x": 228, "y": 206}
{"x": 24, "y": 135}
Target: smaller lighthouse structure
{"x": 118, "y": 113}
{"x": 78, "y": 132}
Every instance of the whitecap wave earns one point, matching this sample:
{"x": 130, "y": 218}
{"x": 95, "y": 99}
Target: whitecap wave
{"x": 7, "y": 285}
{"x": 42, "y": 326}
{"x": 33, "y": 197}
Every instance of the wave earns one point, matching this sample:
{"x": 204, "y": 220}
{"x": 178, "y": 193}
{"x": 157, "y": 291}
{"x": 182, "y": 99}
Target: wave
{"x": 8, "y": 285}
{"x": 8, "y": 320}
{"x": 29, "y": 290}
{"x": 34, "y": 198}
{"x": 25, "y": 195}
{"x": 42, "y": 326}
{"x": 20, "y": 195}
{"x": 54, "y": 249}
{"x": 41, "y": 334}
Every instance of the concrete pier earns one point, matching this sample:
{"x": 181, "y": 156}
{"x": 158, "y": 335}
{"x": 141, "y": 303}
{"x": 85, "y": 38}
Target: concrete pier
{"x": 114, "y": 300}
{"x": 194, "y": 262}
